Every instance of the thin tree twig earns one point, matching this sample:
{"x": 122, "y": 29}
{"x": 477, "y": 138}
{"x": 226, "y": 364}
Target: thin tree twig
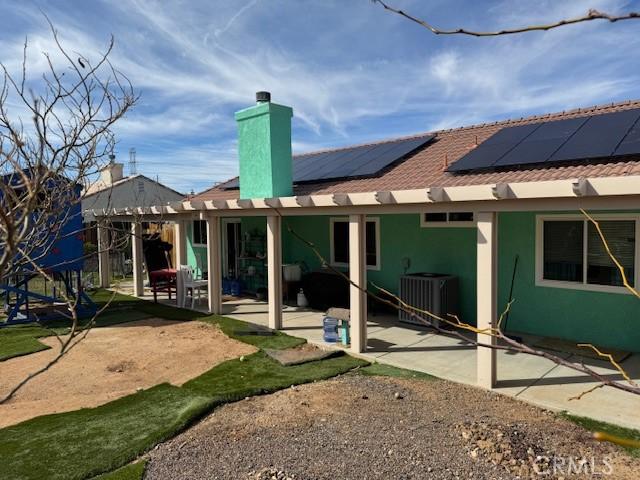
{"x": 611, "y": 360}
{"x": 605, "y": 243}
{"x": 591, "y": 15}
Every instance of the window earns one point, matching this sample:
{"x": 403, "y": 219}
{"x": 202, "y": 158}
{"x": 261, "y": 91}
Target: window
{"x": 340, "y": 242}
{"x": 199, "y": 232}
{"x": 571, "y": 253}
{"x": 447, "y": 219}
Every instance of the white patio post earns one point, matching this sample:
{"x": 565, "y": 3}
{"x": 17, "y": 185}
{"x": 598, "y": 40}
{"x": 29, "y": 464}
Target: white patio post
{"x": 214, "y": 270}
{"x": 274, "y": 270}
{"x": 180, "y": 244}
{"x": 358, "y": 276}
{"x": 136, "y": 250}
{"x": 487, "y": 272}
{"x": 104, "y": 266}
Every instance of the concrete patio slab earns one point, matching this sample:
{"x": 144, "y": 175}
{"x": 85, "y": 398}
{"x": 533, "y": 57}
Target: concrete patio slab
{"x": 532, "y": 379}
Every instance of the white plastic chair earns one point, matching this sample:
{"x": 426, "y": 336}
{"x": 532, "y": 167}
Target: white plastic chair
{"x": 189, "y": 283}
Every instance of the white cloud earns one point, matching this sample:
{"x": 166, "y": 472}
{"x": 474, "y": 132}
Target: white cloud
{"x": 351, "y": 71}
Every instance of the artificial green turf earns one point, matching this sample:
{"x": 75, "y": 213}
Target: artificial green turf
{"x": 133, "y": 471}
{"x": 18, "y": 345}
{"x": 242, "y": 331}
{"x": 101, "y": 296}
{"x": 87, "y": 442}
{"x": 258, "y": 373}
{"x": 20, "y": 340}
{"x": 596, "y": 426}
{"x": 169, "y": 312}
{"x": 389, "y": 371}
{"x": 84, "y": 443}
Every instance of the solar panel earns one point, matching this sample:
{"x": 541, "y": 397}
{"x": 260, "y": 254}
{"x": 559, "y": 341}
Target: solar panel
{"x": 494, "y": 147}
{"x": 598, "y": 137}
{"x": 541, "y": 143}
{"x": 583, "y": 138}
{"x": 332, "y": 161}
{"x": 305, "y": 164}
{"x": 359, "y": 161}
{"x": 381, "y": 158}
{"x": 631, "y": 142}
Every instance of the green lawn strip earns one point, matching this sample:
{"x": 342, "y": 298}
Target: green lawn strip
{"x": 87, "y": 442}
{"x": 18, "y": 340}
{"x": 18, "y": 345}
{"x": 236, "y": 329}
{"x": 381, "y": 369}
{"x": 169, "y": 312}
{"x": 257, "y": 374}
{"x": 133, "y": 471}
{"x": 608, "y": 428}
{"x": 101, "y": 296}
{"x": 244, "y": 332}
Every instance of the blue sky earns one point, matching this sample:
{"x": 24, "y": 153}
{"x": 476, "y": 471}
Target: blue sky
{"x": 351, "y": 71}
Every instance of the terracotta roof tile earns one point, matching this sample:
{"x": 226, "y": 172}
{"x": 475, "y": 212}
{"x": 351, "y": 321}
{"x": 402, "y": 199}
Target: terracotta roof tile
{"x": 426, "y": 168}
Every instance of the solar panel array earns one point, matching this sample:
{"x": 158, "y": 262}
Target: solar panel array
{"x": 360, "y": 161}
{"x": 584, "y": 138}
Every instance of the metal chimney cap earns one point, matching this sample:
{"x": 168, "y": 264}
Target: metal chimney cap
{"x": 263, "y": 97}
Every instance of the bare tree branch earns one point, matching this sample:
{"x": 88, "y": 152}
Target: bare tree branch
{"x": 591, "y": 15}
{"x": 46, "y": 156}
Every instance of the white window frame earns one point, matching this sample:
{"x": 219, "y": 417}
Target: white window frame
{"x": 376, "y": 221}
{"x": 193, "y": 233}
{"x": 447, "y": 223}
{"x": 542, "y": 282}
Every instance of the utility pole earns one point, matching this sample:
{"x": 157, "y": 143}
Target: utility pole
{"x": 133, "y": 165}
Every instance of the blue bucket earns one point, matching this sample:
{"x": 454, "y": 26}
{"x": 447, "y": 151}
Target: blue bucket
{"x": 226, "y": 286}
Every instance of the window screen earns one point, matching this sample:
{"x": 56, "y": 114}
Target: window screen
{"x": 447, "y": 217}
{"x": 461, "y": 216}
{"x": 371, "y": 247}
{"x": 563, "y": 250}
{"x": 621, "y": 238}
{"x": 435, "y": 217}
{"x": 200, "y": 232}
{"x": 341, "y": 243}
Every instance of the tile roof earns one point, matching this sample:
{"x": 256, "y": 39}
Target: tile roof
{"x": 426, "y": 168}
{"x": 99, "y": 185}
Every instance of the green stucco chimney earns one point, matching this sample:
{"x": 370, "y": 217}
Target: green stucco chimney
{"x": 264, "y": 149}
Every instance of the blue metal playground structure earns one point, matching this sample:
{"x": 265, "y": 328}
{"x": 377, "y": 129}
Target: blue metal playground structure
{"x": 61, "y": 256}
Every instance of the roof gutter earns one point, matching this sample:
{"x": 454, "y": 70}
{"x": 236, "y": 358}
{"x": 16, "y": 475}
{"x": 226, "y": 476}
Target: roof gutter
{"x": 553, "y": 189}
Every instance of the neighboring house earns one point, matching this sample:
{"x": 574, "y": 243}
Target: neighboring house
{"x": 466, "y": 202}
{"x": 112, "y": 190}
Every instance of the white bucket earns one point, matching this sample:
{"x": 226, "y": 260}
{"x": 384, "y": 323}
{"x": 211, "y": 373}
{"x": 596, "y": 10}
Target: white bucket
{"x": 291, "y": 272}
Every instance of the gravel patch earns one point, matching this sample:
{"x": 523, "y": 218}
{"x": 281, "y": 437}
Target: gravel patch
{"x": 358, "y": 427}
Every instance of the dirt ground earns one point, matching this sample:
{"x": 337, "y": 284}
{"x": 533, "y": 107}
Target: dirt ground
{"x": 358, "y": 427}
{"x": 112, "y": 362}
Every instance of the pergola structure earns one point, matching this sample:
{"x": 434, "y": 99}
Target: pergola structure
{"x": 593, "y": 194}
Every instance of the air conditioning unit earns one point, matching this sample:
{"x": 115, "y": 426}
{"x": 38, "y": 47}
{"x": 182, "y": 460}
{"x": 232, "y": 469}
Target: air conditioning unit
{"x": 433, "y": 292}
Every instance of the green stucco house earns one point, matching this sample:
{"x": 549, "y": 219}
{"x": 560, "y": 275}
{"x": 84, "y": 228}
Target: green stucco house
{"x": 497, "y": 207}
